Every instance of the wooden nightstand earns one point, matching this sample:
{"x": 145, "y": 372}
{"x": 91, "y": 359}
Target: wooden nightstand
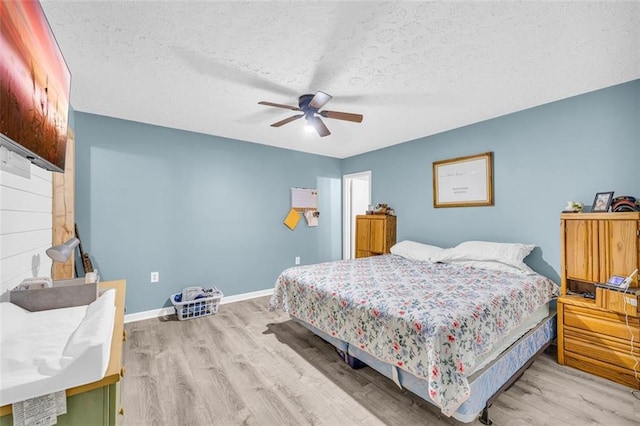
{"x": 598, "y": 340}
{"x": 600, "y": 335}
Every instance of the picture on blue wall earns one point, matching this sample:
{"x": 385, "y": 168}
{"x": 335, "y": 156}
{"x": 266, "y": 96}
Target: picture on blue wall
{"x": 463, "y": 181}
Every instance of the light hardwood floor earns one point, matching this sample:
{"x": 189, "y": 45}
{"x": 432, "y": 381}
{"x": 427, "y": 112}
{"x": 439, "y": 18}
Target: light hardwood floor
{"x": 248, "y": 366}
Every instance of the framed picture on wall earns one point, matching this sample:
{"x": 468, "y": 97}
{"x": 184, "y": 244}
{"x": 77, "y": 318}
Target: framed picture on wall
{"x": 602, "y": 202}
{"x": 463, "y": 181}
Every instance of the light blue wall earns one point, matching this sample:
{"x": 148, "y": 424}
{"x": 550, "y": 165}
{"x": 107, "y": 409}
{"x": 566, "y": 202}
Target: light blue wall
{"x": 199, "y": 209}
{"x": 543, "y": 157}
{"x": 204, "y": 210}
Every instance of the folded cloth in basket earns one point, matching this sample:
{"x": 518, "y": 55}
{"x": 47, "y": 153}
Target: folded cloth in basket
{"x": 193, "y": 293}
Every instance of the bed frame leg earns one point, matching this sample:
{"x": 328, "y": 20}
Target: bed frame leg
{"x": 484, "y": 417}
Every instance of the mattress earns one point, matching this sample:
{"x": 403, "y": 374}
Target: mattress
{"x": 437, "y": 322}
{"x": 511, "y": 337}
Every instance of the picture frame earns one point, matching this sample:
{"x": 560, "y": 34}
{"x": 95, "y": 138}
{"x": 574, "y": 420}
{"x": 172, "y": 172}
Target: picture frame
{"x": 602, "y": 201}
{"x": 463, "y": 181}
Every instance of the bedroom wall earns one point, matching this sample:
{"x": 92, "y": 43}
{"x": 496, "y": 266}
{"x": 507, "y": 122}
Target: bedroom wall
{"x": 200, "y": 210}
{"x": 205, "y": 210}
{"x": 26, "y": 224}
{"x": 25, "y": 227}
{"x": 543, "y": 157}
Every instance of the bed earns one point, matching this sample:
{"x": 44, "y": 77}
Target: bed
{"x": 440, "y": 325}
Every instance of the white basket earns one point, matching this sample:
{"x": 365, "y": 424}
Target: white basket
{"x": 197, "y": 308}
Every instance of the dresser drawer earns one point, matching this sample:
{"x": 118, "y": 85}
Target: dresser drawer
{"x": 613, "y": 351}
{"x": 607, "y": 323}
{"x": 602, "y": 369}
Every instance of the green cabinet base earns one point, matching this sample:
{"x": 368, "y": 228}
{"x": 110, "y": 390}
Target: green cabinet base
{"x": 98, "y": 407}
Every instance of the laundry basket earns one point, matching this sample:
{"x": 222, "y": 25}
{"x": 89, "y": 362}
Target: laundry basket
{"x": 199, "y": 307}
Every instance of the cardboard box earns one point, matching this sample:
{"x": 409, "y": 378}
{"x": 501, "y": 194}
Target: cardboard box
{"x": 63, "y": 294}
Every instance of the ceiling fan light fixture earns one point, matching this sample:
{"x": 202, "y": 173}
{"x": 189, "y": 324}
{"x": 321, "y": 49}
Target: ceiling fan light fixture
{"x": 310, "y": 105}
{"x": 308, "y": 125}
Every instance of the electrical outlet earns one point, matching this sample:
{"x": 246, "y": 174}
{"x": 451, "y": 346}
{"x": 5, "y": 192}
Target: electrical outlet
{"x": 297, "y": 260}
{"x": 155, "y": 277}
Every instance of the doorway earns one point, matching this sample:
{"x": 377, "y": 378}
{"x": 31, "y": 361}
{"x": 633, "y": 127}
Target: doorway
{"x": 356, "y": 200}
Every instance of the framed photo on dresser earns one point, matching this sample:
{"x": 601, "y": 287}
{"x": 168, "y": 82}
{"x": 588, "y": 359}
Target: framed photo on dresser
{"x": 602, "y": 202}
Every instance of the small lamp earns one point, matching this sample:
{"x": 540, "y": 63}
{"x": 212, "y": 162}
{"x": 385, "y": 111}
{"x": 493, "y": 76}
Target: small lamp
{"x": 62, "y": 252}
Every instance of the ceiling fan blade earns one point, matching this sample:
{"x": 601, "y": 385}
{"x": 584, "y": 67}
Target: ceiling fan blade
{"x": 287, "y": 120}
{"x": 357, "y": 118}
{"x": 279, "y": 105}
{"x": 319, "y": 126}
{"x": 319, "y": 100}
{"x": 207, "y": 64}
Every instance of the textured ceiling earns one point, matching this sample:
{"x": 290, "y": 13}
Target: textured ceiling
{"x": 412, "y": 69}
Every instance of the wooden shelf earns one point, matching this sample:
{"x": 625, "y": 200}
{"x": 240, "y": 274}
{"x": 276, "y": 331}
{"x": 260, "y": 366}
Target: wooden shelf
{"x": 577, "y": 300}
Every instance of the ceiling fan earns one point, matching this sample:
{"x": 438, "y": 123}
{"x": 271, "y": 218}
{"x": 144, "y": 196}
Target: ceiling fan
{"x": 310, "y": 106}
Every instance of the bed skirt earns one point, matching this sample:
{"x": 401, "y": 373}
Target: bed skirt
{"x": 484, "y": 384}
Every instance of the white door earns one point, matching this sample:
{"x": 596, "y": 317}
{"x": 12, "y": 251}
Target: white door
{"x": 356, "y": 200}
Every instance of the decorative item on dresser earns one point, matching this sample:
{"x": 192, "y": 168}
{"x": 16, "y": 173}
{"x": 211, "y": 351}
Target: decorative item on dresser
{"x": 375, "y": 234}
{"x": 602, "y": 202}
{"x": 625, "y": 203}
{"x": 599, "y": 327}
{"x": 573, "y": 207}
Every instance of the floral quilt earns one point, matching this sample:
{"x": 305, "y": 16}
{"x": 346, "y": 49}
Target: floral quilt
{"x": 429, "y": 319}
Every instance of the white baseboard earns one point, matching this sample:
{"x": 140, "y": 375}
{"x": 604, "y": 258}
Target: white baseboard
{"x": 246, "y": 296}
{"x": 155, "y": 313}
{"x": 169, "y": 310}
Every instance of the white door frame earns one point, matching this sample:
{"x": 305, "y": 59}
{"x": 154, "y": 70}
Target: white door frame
{"x": 348, "y": 215}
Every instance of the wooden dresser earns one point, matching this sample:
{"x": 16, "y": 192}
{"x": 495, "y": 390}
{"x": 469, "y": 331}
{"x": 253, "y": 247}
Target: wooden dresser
{"x": 594, "y": 334}
{"x": 96, "y": 403}
{"x": 375, "y": 234}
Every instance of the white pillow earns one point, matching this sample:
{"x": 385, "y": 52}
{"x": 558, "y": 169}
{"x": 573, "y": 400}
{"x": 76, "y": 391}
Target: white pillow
{"x": 491, "y": 265}
{"x": 507, "y": 253}
{"x": 416, "y": 251}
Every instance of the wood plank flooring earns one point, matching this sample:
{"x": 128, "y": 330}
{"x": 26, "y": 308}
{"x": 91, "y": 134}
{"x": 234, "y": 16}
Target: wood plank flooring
{"x": 248, "y": 366}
